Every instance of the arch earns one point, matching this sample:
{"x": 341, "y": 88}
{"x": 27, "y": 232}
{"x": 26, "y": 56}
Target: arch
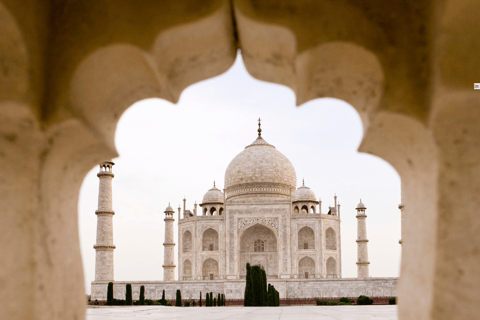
{"x": 205, "y": 210}
{"x": 210, "y": 240}
{"x": 331, "y": 239}
{"x": 213, "y": 210}
{"x": 331, "y": 268}
{"x": 220, "y": 212}
{"x": 187, "y": 241}
{"x": 252, "y": 241}
{"x": 306, "y": 268}
{"x": 187, "y": 268}
{"x": 304, "y": 209}
{"x": 306, "y": 238}
{"x": 314, "y": 209}
{"x": 210, "y": 269}
{"x": 296, "y": 210}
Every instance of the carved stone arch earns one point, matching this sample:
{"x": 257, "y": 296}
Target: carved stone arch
{"x": 306, "y": 267}
{"x": 330, "y": 239}
{"x": 187, "y": 268}
{"x": 331, "y": 267}
{"x": 187, "y": 241}
{"x": 210, "y": 240}
{"x": 210, "y": 269}
{"x": 306, "y": 238}
{"x": 259, "y": 246}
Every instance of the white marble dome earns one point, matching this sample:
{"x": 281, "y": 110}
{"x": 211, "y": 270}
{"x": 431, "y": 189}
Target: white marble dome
{"x": 304, "y": 194}
{"x": 213, "y": 195}
{"x": 260, "y": 162}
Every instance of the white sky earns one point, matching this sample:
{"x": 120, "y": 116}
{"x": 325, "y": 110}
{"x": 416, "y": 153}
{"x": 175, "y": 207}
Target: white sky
{"x": 169, "y": 151}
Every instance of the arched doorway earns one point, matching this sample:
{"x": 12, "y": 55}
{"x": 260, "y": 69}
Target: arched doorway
{"x": 258, "y": 246}
{"x": 331, "y": 268}
{"x": 306, "y": 268}
{"x": 210, "y": 269}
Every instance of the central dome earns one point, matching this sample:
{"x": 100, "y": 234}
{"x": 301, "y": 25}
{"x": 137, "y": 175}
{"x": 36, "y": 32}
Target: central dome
{"x": 260, "y": 168}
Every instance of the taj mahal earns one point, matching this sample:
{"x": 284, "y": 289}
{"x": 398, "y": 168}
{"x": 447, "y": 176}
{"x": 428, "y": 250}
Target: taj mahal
{"x": 260, "y": 217}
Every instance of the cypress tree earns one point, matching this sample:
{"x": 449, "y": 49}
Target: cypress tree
{"x": 164, "y": 302}
{"x": 207, "y": 300}
{"x": 128, "y": 295}
{"x": 142, "y": 295}
{"x": 211, "y": 300}
{"x": 178, "y": 302}
{"x": 258, "y": 290}
{"x": 264, "y": 284}
{"x": 218, "y": 300}
{"x": 214, "y": 302}
{"x": 200, "y": 301}
{"x": 110, "y": 294}
{"x": 248, "y": 300}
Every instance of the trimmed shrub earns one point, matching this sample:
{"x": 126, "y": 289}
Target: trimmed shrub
{"x": 157, "y": 303}
{"x": 193, "y": 303}
{"x": 364, "y": 300}
{"x": 345, "y": 300}
{"x": 128, "y": 295}
{"x": 142, "y": 296}
{"x": 219, "y": 301}
{"x": 187, "y": 304}
{"x": 110, "y": 301}
{"x": 178, "y": 301}
{"x": 168, "y": 304}
{"x": 214, "y": 302}
{"x": 200, "y": 301}
{"x": 392, "y": 300}
{"x": 332, "y": 303}
{"x": 149, "y": 302}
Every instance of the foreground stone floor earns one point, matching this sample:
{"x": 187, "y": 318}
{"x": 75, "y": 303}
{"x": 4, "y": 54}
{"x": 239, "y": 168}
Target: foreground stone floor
{"x": 231, "y": 313}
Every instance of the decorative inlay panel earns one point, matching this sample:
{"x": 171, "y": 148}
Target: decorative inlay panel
{"x": 243, "y": 223}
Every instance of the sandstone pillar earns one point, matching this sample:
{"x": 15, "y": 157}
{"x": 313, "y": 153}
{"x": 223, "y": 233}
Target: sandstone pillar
{"x": 104, "y": 246}
{"x": 169, "y": 246}
{"x": 362, "y": 250}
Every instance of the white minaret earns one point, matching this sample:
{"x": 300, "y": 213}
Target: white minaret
{"x": 362, "y": 250}
{"x": 169, "y": 246}
{"x": 104, "y": 247}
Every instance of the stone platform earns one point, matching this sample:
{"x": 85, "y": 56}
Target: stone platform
{"x": 234, "y": 289}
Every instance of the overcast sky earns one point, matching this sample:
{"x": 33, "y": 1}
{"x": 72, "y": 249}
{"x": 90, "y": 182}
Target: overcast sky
{"x": 171, "y": 151}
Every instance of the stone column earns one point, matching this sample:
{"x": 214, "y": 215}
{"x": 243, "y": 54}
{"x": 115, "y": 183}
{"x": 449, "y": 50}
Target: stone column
{"x": 104, "y": 246}
{"x": 362, "y": 250}
{"x": 169, "y": 246}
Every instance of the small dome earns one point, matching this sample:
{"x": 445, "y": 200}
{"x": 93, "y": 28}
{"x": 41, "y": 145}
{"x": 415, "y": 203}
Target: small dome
{"x": 304, "y": 194}
{"x": 169, "y": 209}
{"x": 361, "y": 205}
{"x": 213, "y": 195}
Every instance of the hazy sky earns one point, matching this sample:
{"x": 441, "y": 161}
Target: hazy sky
{"x": 171, "y": 151}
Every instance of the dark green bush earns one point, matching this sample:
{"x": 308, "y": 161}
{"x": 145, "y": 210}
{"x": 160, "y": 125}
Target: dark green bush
{"x": 392, "y": 300}
{"x": 96, "y": 302}
{"x": 345, "y": 300}
{"x": 187, "y": 304}
{"x": 149, "y": 302}
{"x": 168, "y": 304}
{"x": 214, "y": 302}
{"x": 332, "y": 303}
{"x": 110, "y": 299}
{"x": 178, "y": 301}
{"x": 157, "y": 303}
{"x": 193, "y": 303}
{"x": 364, "y": 300}
{"x": 248, "y": 299}
{"x": 200, "y": 301}
{"x": 321, "y": 302}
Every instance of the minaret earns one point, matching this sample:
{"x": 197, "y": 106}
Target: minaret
{"x": 169, "y": 246}
{"x": 362, "y": 250}
{"x": 104, "y": 247}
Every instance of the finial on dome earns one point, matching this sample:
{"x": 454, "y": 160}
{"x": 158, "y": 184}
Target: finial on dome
{"x": 214, "y": 183}
{"x": 259, "y": 128}
{"x": 303, "y": 182}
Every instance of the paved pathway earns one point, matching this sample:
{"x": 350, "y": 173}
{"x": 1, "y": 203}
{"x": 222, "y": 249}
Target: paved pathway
{"x": 251, "y": 313}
